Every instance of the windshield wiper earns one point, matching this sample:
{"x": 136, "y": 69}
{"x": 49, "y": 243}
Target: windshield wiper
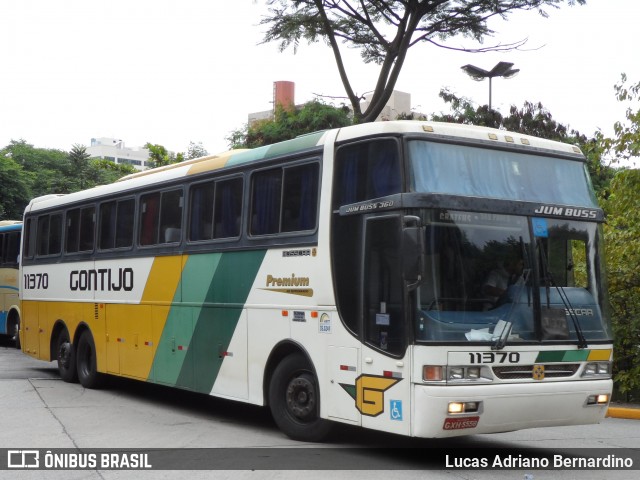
{"x": 550, "y": 282}
{"x": 501, "y": 340}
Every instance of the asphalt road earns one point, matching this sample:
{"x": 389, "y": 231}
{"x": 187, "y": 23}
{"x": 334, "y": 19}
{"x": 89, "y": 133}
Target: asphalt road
{"x": 227, "y": 439}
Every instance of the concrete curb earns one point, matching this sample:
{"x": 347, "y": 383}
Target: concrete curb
{"x": 627, "y": 413}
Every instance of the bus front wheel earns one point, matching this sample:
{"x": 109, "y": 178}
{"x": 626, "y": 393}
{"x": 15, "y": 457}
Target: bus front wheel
{"x": 88, "y": 374}
{"x": 66, "y": 356}
{"x": 294, "y": 399}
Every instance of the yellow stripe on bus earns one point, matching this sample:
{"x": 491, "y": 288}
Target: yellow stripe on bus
{"x": 599, "y": 355}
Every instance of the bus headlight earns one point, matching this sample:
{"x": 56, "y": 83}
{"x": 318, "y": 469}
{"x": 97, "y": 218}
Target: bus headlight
{"x": 468, "y": 374}
{"x": 597, "y": 369}
{"x": 463, "y": 407}
{"x": 456, "y": 374}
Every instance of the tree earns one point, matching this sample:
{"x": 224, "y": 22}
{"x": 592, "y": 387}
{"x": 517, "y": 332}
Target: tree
{"x": 196, "y": 150}
{"x": 16, "y": 187}
{"x": 289, "y": 123}
{"x": 79, "y": 159}
{"x": 626, "y": 145}
{"x": 384, "y": 30}
{"x": 622, "y": 235}
{"x": 160, "y": 156}
{"x": 621, "y": 202}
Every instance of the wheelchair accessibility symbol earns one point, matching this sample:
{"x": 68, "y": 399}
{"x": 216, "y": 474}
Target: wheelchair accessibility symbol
{"x": 396, "y": 410}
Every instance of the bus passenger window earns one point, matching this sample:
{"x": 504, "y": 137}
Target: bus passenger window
{"x": 161, "y": 218}
{"x": 149, "y": 208}
{"x": 171, "y": 216}
{"x": 124, "y": 223}
{"x": 300, "y": 198}
{"x": 79, "y": 233}
{"x": 49, "y": 236}
{"x": 201, "y": 212}
{"x": 266, "y": 197}
{"x": 367, "y": 170}
{"x": 116, "y": 224}
{"x": 228, "y": 208}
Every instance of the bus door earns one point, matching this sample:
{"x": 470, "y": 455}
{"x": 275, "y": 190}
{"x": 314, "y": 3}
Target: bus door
{"x": 383, "y": 389}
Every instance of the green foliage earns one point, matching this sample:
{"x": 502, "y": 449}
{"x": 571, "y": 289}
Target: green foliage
{"x": 622, "y": 233}
{"x": 289, "y": 123}
{"x": 27, "y": 172}
{"x": 384, "y": 30}
{"x": 79, "y": 159}
{"x": 159, "y": 156}
{"x": 16, "y": 187}
{"x": 196, "y": 150}
{"x": 626, "y": 145}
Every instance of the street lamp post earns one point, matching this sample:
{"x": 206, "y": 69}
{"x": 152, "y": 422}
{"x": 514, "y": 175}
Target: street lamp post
{"x": 502, "y": 69}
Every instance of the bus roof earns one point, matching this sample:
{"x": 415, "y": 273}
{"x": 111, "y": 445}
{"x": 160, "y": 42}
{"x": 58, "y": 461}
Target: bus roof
{"x": 10, "y": 225}
{"x": 301, "y": 144}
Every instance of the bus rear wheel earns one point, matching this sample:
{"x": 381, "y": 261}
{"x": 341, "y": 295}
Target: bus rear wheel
{"x": 14, "y": 330}
{"x": 294, "y": 399}
{"x": 66, "y": 357}
{"x": 88, "y": 374}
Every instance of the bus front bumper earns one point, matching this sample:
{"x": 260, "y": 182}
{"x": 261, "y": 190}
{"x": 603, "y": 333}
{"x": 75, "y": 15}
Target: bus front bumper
{"x": 506, "y": 407}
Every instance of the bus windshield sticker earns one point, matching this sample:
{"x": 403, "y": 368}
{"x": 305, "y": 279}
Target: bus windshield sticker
{"x": 540, "y": 228}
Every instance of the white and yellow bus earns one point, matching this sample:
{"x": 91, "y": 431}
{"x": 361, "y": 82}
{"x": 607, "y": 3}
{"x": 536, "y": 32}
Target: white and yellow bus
{"x": 10, "y": 231}
{"x": 339, "y": 277}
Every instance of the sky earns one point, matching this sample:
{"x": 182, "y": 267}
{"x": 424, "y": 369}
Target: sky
{"x": 172, "y": 72}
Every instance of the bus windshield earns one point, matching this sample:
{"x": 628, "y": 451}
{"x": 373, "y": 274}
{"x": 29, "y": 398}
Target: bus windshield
{"x": 482, "y": 172}
{"x": 484, "y": 272}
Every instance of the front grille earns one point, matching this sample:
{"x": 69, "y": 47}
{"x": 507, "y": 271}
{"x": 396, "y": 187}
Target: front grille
{"x": 521, "y": 372}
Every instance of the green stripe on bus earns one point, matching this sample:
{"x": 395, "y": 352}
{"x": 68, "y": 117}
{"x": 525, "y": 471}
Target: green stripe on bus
{"x": 282, "y": 148}
{"x": 216, "y": 321}
{"x": 563, "y": 356}
{"x": 206, "y": 308}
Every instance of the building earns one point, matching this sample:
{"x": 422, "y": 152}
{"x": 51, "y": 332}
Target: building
{"x": 399, "y": 104}
{"x": 284, "y": 94}
{"x": 114, "y": 150}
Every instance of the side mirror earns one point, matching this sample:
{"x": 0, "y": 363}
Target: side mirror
{"x": 412, "y": 252}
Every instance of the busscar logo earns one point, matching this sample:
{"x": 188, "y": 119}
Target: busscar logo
{"x": 559, "y": 211}
{"x": 23, "y": 459}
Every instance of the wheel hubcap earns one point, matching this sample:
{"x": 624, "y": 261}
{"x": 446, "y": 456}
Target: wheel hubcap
{"x": 301, "y": 398}
{"x": 64, "y": 355}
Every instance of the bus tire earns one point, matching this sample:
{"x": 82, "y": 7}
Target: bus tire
{"x": 14, "y": 330}
{"x": 294, "y": 400}
{"x": 66, "y": 356}
{"x": 87, "y": 366}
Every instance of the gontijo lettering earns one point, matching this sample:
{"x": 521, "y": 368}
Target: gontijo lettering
{"x": 103, "y": 279}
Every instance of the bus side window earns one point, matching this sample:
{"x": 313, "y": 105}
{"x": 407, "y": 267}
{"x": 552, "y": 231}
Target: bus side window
{"x": 80, "y": 228}
{"x": 171, "y": 216}
{"x": 367, "y": 170}
{"x": 201, "y": 212}
{"x": 266, "y": 197}
{"x": 49, "y": 235}
{"x": 228, "y": 208}
{"x": 149, "y": 209}
{"x": 116, "y": 224}
{"x": 300, "y": 198}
